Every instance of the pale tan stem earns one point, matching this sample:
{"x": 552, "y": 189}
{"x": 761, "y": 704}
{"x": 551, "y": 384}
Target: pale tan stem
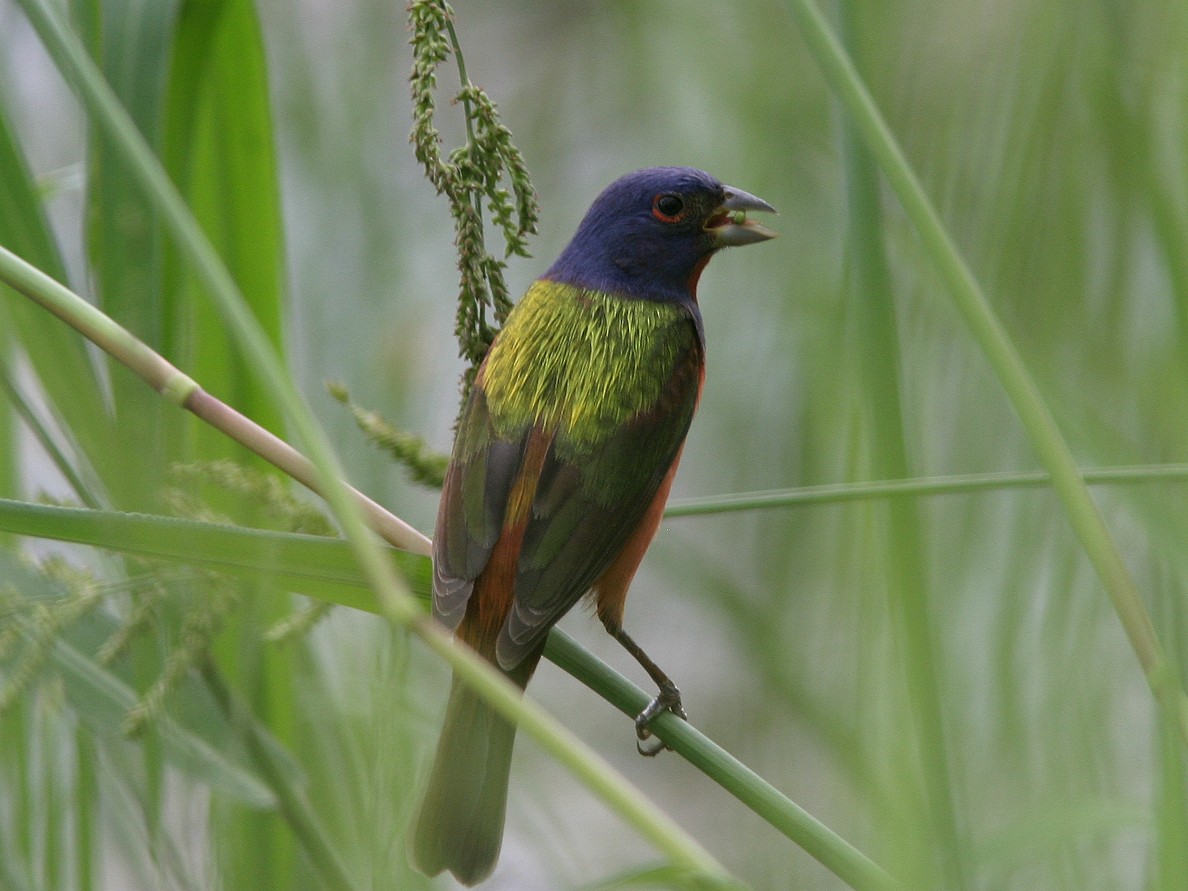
{"x": 151, "y": 367}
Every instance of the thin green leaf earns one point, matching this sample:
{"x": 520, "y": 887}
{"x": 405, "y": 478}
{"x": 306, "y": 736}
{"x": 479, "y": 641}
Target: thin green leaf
{"x": 218, "y": 148}
{"x": 313, "y": 565}
{"x": 919, "y": 487}
{"x": 129, "y": 42}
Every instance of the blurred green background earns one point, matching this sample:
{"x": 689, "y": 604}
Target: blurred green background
{"x": 941, "y": 680}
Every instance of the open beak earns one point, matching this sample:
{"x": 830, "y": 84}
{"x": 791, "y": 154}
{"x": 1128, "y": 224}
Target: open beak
{"x": 729, "y": 225}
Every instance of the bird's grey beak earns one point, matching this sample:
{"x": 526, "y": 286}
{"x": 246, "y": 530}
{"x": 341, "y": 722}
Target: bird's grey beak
{"x": 729, "y": 225}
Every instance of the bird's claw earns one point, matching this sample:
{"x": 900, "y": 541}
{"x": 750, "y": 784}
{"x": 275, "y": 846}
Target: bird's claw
{"x": 650, "y": 751}
{"x": 667, "y": 700}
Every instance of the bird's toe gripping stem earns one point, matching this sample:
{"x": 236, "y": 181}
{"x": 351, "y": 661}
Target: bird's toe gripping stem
{"x": 668, "y": 699}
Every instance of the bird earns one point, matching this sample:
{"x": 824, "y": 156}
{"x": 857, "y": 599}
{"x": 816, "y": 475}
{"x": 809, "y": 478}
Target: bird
{"x": 563, "y": 458}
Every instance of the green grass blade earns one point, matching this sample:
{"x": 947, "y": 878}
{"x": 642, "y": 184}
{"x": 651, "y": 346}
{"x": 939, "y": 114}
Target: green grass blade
{"x": 129, "y": 43}
{"x": 291, "y": 802}
{"x": 88, "y": 854}
{"x": 319, "y": 567}
{"x": 23, "y": 224}
{"x": 841, "y": 858}
{"x": 218, "y": 148}
{"x": 918, "y": 487}
{"x": 8, "y": 432}
{"x": 28, "y": 415}
{"x": 873, "y": 344}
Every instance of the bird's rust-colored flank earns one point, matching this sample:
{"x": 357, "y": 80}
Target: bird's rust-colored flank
{"x": 493, "y": 600}
{"x": 564, "y": 457}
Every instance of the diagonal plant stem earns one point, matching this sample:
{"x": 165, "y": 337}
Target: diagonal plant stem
{"x": 846, "y": 862}
{"x": 182, "y": 390}
{"x": 965, "y": 292}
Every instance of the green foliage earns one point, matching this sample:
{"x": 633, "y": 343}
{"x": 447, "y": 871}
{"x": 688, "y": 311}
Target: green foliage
{"x": 929, "y": 666}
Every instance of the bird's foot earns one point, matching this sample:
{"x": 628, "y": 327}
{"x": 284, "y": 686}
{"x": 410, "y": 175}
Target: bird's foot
{"x": 668, "y": 699}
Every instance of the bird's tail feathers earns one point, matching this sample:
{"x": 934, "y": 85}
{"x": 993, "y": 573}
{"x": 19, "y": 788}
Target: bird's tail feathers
{"x": 459, "y": 823}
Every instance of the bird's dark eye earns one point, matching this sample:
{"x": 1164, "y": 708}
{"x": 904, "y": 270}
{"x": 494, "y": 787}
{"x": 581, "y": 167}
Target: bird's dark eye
{"x": 668, "y": 207}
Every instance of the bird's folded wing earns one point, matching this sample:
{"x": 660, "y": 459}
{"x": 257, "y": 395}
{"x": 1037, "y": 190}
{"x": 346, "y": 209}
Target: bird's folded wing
{"x": 589, "y": 499}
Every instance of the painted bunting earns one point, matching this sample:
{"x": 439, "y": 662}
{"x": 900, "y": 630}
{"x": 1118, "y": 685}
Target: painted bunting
{"x": 562, "y": 463}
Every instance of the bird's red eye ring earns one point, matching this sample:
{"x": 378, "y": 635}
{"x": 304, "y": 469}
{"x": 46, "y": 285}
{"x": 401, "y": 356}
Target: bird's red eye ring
{"x": 668, "y": 208}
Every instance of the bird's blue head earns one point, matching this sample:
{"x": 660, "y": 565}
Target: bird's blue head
{"x": 651, "y": 232}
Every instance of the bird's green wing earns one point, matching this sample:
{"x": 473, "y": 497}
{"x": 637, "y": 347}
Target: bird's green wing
{"x": 473, "y": 501}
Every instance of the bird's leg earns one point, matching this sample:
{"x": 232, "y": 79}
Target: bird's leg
{"x": 667, "y": 699}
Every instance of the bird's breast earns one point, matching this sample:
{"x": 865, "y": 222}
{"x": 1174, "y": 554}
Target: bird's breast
{"x": 583, "y": 362}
